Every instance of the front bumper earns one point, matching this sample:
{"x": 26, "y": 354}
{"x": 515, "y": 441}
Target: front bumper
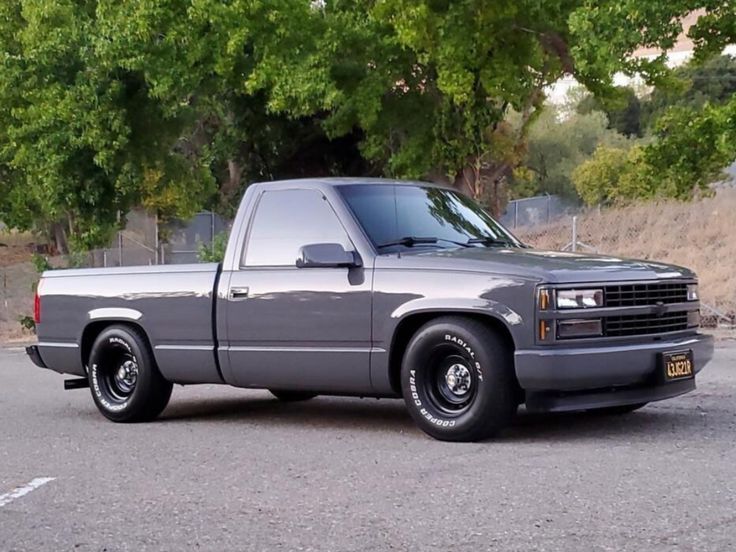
{"x": 599, "y": 376}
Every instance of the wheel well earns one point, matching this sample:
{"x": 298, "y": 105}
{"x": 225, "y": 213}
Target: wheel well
{"x": 409, "y": 326}
{"x": 94, "y": 329}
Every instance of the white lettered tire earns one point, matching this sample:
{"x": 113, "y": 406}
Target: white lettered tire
{"x": 123, "y": 377}
{"x": 457, "y": 379}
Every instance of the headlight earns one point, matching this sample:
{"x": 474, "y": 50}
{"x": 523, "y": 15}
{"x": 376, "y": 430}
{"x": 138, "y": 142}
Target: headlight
{"x": 579, "y": 298}
{"x": 692, "y": 292}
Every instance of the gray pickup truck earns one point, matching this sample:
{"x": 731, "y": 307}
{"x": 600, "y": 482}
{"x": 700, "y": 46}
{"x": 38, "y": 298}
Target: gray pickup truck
{"x": 379, "y": 288}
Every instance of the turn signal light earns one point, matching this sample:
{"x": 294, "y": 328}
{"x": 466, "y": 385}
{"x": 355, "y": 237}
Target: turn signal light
{"x": 544, "y": 330}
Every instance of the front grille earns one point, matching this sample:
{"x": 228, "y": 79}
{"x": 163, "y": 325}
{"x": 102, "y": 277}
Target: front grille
{"x": 638, "y": 295}
{"x": 642, "y": 324}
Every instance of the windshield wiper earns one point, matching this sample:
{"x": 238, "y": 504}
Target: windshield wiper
{"x": 489, "y": 240}
{"x": 411, "y": 241}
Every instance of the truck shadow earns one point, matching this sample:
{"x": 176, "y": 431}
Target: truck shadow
{"x": 649, "y": 423}
{"x": 390, "y": 416}
{"x": 321, "y": 412}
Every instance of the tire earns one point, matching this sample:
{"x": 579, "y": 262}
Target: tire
{"x": 618, "y": 410}
{"x": 123, "y": 377}
{"x": 292, "y": 396}
{"x": 458, "y": 380}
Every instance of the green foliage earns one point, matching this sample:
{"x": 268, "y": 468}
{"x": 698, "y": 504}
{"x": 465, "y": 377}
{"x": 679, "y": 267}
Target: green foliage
{"x": 622, "y": 109}
{"x": 27, "y": 323}
{"x": 429, "y": 84}
{"x": 698, "y": 83}
{"x": 613, "y": 176}
{"x": 80, "y": 133}
{"x": 40, "y": 263}
{"x": 77, "y": 259}
{"x": 214, "y": 252}
{"x": 174, "y": 105}
{"x": 556, "y": 146}
{"x": 692, "y": 148}
{"x": 691, "y": 112}
{"x": 203, "y": 63}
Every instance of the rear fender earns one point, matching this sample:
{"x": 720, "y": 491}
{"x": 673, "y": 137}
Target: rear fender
{"x": 114, "y": 314}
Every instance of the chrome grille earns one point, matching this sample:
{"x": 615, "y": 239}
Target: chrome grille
{"x": 643, "y": 324}
{"x": 639, "y": 295}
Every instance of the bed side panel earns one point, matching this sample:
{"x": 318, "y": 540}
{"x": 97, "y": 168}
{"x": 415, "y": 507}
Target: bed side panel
{"x": 174, "y": 308}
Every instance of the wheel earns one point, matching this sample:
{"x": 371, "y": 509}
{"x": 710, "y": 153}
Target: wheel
{"x": 123, "y": 377}
{"x": 458, "y": 381}
{"x": 618, "y": 410}
{"x": 292, "y": 396}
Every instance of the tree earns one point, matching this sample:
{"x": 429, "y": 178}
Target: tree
{"x": 197, "y": 60}
{"x": 177, "y": 104}
{"x": 613, "y": 176}
{"x": 622, "y": 109}
{"x": 428, "y": 83}
{"x": 557, "y": 145}
{"x": 692, "y": 148}
{"x": 712, "y": 81}
{"x": 695, "y": 141}
{"x": 690, "y": 151}
{"x": 81, "y": 140}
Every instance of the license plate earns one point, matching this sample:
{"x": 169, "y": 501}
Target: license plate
{"x": 678, "y": 365}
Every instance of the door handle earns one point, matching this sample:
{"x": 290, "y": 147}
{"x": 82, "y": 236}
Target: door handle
{"x": 238, "y": 293}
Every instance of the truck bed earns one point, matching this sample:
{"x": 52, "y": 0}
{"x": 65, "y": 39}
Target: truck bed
{"x": 172, "y": 303}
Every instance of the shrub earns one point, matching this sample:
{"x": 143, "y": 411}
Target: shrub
{"x": 215, "y": 252}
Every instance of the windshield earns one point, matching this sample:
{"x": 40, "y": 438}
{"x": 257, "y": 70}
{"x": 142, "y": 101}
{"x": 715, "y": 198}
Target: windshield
{"x": 391, "y": 214}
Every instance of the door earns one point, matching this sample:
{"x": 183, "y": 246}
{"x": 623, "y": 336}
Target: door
{"x": 297, "y": 328}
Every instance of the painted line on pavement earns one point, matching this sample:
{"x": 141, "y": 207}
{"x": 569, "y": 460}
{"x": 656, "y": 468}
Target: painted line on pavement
{"x": 20, "y": 492}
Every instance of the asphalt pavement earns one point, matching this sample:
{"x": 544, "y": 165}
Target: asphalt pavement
{"x": 229, "y": 469}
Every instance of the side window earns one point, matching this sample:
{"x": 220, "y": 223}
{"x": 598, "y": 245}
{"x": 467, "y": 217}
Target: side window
{"x": 286, "y": 220}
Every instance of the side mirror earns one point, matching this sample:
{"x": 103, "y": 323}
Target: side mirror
{"x": 327, "y": 255}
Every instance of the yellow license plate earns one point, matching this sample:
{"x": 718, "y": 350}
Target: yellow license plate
{"x": 678, "y": 365}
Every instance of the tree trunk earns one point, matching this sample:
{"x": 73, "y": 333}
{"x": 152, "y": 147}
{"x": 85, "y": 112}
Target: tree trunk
{"x": 484, "y": 184}
{"x": 230, "y": 188}
{"x": 59, "y": 238}
{"x": 466, "y": 181}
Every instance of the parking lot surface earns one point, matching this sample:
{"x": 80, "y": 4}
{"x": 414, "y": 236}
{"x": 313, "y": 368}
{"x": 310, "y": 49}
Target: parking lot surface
{"x": 231, "y": 469}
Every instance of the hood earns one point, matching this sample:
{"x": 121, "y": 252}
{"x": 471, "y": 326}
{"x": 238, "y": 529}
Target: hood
{"x": 544, "y": 266}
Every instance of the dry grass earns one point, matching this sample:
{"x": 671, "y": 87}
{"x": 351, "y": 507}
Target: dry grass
{"x": 700, "y": 235}
{"x": 16, "y": 299}
{"x": 17, "y": 276}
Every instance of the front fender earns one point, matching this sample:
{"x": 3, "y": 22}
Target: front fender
{"x": 387, "y": 331}
{"x": 487, "y": 307}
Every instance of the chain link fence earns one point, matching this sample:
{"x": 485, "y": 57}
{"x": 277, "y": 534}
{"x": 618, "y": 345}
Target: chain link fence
{"x": 535, "y": 211}
{"x": 146, "y": 242}
{"x": 184, "y": 238}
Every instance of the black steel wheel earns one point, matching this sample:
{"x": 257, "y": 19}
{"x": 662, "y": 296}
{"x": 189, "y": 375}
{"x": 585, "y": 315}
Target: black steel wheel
{"x": 458, "y": 379}
{"x": 452, "y": 383}
{"x": 125, "y": 382}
